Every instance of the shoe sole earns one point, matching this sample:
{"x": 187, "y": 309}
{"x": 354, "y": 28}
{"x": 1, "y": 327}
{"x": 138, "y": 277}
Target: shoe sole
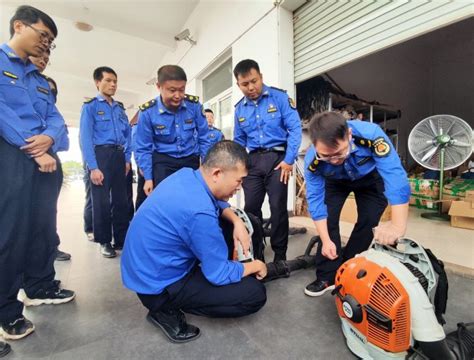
{"x": 319, "y": 293}
{"x": 36, "y": 302}
{"x": 62, "y": 259}
{"x": 109, "y": 256}
{"x": 8, "y": 336}
{"x": 6, "y": 350}
{"x": 157, "y": 324}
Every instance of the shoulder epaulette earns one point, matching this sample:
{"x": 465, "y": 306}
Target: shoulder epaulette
{"x": 87, "y": 101}
{"x": 362, "y": 141}
{"x": 275, "y": 88}
{"x": 121, "y": 104}
{"x": 238, "y": 102}
{"x": 191, "y": 98}
{"x": 147, "y": 105}
{"x": 45, "y": 76}
{"x": 379, "y": 146}
{"x": 314, "y": 164}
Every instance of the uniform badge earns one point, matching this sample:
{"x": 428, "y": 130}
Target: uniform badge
{"x": 271, "y": 108}
{"x": 292, "y": 103}
{"x": 188, "y": 121}
{"x": 160, "y": 127}
{"x": 10, "y": 75}
{"x": 42, "y": 90}
{"x": 212, "y": 135}
{"x": 161, "y": 111}
{"x": 241, "y": 120}
{"x": 100, "y": 112}
{"x": 381, "y": 147}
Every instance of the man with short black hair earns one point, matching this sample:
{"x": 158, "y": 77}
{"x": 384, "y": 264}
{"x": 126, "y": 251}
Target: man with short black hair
{"x": 214, "y": 134}
{"x": 267, "y": 123}
{"x": 176, "y": 257}
{"x": 105, "y": 138}
{"x": 30, "y": 135}
{"x": 358, "y": 157}
{"x": 171, "y": 131}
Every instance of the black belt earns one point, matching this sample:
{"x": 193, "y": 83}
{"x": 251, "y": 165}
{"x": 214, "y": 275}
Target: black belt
{"x": 112, "y": 146}
{"x": 278, "y": 149}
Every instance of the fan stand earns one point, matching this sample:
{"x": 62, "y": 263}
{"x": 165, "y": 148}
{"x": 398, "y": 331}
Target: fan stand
{"x": 439, "y": 214}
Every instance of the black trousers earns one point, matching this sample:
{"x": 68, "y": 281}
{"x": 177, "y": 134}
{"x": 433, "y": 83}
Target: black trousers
{"x": 371, "y": 203}
{"x": 195, "y": 295}
{"x": 109, "y": 201}
{"x": 262, "y": 179}
{"x": 141, "y": 196}
{"x": 27, "y": 237}
{"x": 88, "y": 225}
{"x": 165, "y": 165}
{"x": 131, "y": 206}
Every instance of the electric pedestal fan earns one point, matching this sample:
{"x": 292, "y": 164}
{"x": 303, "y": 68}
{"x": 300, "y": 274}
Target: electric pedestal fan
{"x": 440, "y": 142}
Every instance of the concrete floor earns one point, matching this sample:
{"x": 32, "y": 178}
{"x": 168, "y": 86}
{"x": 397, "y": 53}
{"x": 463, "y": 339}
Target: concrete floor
{"x": 106, "y": 321}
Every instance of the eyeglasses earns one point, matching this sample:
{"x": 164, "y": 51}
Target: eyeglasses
{"x": 44, "y": 36}
{"x": 335, "y": 157}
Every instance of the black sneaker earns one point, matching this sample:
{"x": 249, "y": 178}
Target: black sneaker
{"x": 318, "y": 288}
{"x": 4, "y": 349}
{"x": 107, "y": 250}
{"x": 174, "y": 325}
{"x": 53, "y": 296}
{"x": 62, "y": 256}
{"x": 17, "y": 329}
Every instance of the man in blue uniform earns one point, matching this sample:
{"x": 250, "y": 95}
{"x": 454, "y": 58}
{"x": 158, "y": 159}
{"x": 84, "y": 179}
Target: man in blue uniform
{"x": 358, "y": 157}
{"x": 268, "y": 125}
{"x": 176, "y": 257}
{"x": 214, "y": 134}
{"x": 31, "y": 130}
{"x": 105, "y": 139}
{"x": 171, "y": 131}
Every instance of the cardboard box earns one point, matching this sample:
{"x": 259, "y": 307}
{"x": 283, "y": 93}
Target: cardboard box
{"x": 349, "y": 212}
{"x": 462, "y": 214}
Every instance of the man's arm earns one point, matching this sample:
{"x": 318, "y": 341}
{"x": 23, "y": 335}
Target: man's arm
{"x": 292, "y": 122}
{"x": 144, "y": 145}
{"x": 239, "y": 135}
{"x": 86, "y": 131}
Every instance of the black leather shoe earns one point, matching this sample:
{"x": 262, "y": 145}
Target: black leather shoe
{"x": 107, "y": 250}
{"x": 117, "y": 246}
{"x": 17, "y": 329}
{"x": 4, "y": 349}
{"x": 318, "y": 288}
{"x": 174, "y": 325}
{"x": 279, "y": 257}
{"x": 62, "y": 256}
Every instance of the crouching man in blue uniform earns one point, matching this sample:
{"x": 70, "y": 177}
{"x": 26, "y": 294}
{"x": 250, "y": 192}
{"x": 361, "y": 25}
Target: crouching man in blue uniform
{"x": 175, "y": 256}
{"x": 358, "y": 157}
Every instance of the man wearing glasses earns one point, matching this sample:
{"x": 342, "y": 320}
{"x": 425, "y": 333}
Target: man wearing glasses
{"x": 358, "y": 157}
{"x": 31, "y": 132}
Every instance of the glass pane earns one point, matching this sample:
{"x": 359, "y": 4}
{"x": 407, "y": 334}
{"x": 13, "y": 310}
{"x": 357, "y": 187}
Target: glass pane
{"x": 218, "y": 81}
{"x": 226, "y": 117}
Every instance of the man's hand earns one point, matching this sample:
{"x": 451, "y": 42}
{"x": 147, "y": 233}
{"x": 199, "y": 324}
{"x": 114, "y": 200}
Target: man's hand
{"x": 128, "y": 167}
{"x": 97, "y": 177}
{"x": 387, "y": 233}
{"x": 256, "y": 267}
{"x": 241, "y": 236}
{"x": 329, "y": 250}
{"x": 37, "y": 145}
{"x": 148, "y": 187}
{"x": 286, "y": 171}
{"x": 46, "y": 162}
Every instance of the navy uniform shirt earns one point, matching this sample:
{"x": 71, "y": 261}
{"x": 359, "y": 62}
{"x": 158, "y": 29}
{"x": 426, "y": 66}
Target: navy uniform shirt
{"x": 370, "y": 149}
{"x": 214, "y": 135}
{"x": 270, "y": 121}
{"x": 175, "y": 229}
{"x": 103, "y": 124}
{"x": 26, "y": 103}
{"x": 177, "y": 134}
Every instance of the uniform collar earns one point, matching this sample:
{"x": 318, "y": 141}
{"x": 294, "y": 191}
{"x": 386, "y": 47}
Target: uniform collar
{"x": 11, "y": 54}
{"x": 101, "y": 99}
{"x": 198, "y": 175}
{"x": 163, "y": 109}
{"x": 265, "y": 92}
{"x": 9, "y": 51}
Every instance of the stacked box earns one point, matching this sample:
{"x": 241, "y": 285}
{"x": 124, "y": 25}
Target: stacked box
{"x": 458, "y": 187}
{"x": 424, "y": 193}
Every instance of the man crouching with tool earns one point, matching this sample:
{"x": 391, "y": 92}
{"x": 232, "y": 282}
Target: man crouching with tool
{"x": 175, "y": 256}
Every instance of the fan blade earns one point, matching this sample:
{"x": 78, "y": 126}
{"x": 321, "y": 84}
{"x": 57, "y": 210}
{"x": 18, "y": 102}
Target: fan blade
{"x": 429, "y": 154}
{"x": 460, "y": 144}
{"x": 433, "y": 129}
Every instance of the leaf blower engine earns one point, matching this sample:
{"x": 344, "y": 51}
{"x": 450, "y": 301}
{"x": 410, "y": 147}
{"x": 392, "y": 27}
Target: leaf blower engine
{"x": 391, "y": 303}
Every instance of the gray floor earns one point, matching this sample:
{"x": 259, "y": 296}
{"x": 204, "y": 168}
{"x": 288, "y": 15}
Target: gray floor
{"x": 107, "y": 321}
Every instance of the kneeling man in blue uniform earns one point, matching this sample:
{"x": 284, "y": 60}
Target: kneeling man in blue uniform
{"x": 175, "y": 256}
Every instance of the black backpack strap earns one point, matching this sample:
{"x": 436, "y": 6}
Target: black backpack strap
{"x": 441, "y": 295}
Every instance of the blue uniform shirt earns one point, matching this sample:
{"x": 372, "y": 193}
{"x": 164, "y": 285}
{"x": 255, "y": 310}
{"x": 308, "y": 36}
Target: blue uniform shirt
{"x": 175, "y": 229}
{"x": 26, "y": 103}
{"x": 103, "y": 124}
{"x": 179, "y": 134}
{"x": 214, "y": 135}
{"x": 363, "y": 159}
{"x": 270, "y": 121}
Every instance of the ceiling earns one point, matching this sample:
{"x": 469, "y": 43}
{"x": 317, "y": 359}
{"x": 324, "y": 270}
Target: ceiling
{"x": 130, "y": 37}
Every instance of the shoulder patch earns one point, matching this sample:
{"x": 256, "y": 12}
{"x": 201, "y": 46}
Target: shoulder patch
{"x": 381, "y": 147}
{"x": 10, "y": 75}
{"x": 87, "y": 101}
{"x": 121, "y": 104}
{"x": 313, "y": 166}
{"x": 147, "y": 105}
{"x": 275, "y": 88}
{"x": 191, "y": 98}
{"x": 238, "y": 102}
